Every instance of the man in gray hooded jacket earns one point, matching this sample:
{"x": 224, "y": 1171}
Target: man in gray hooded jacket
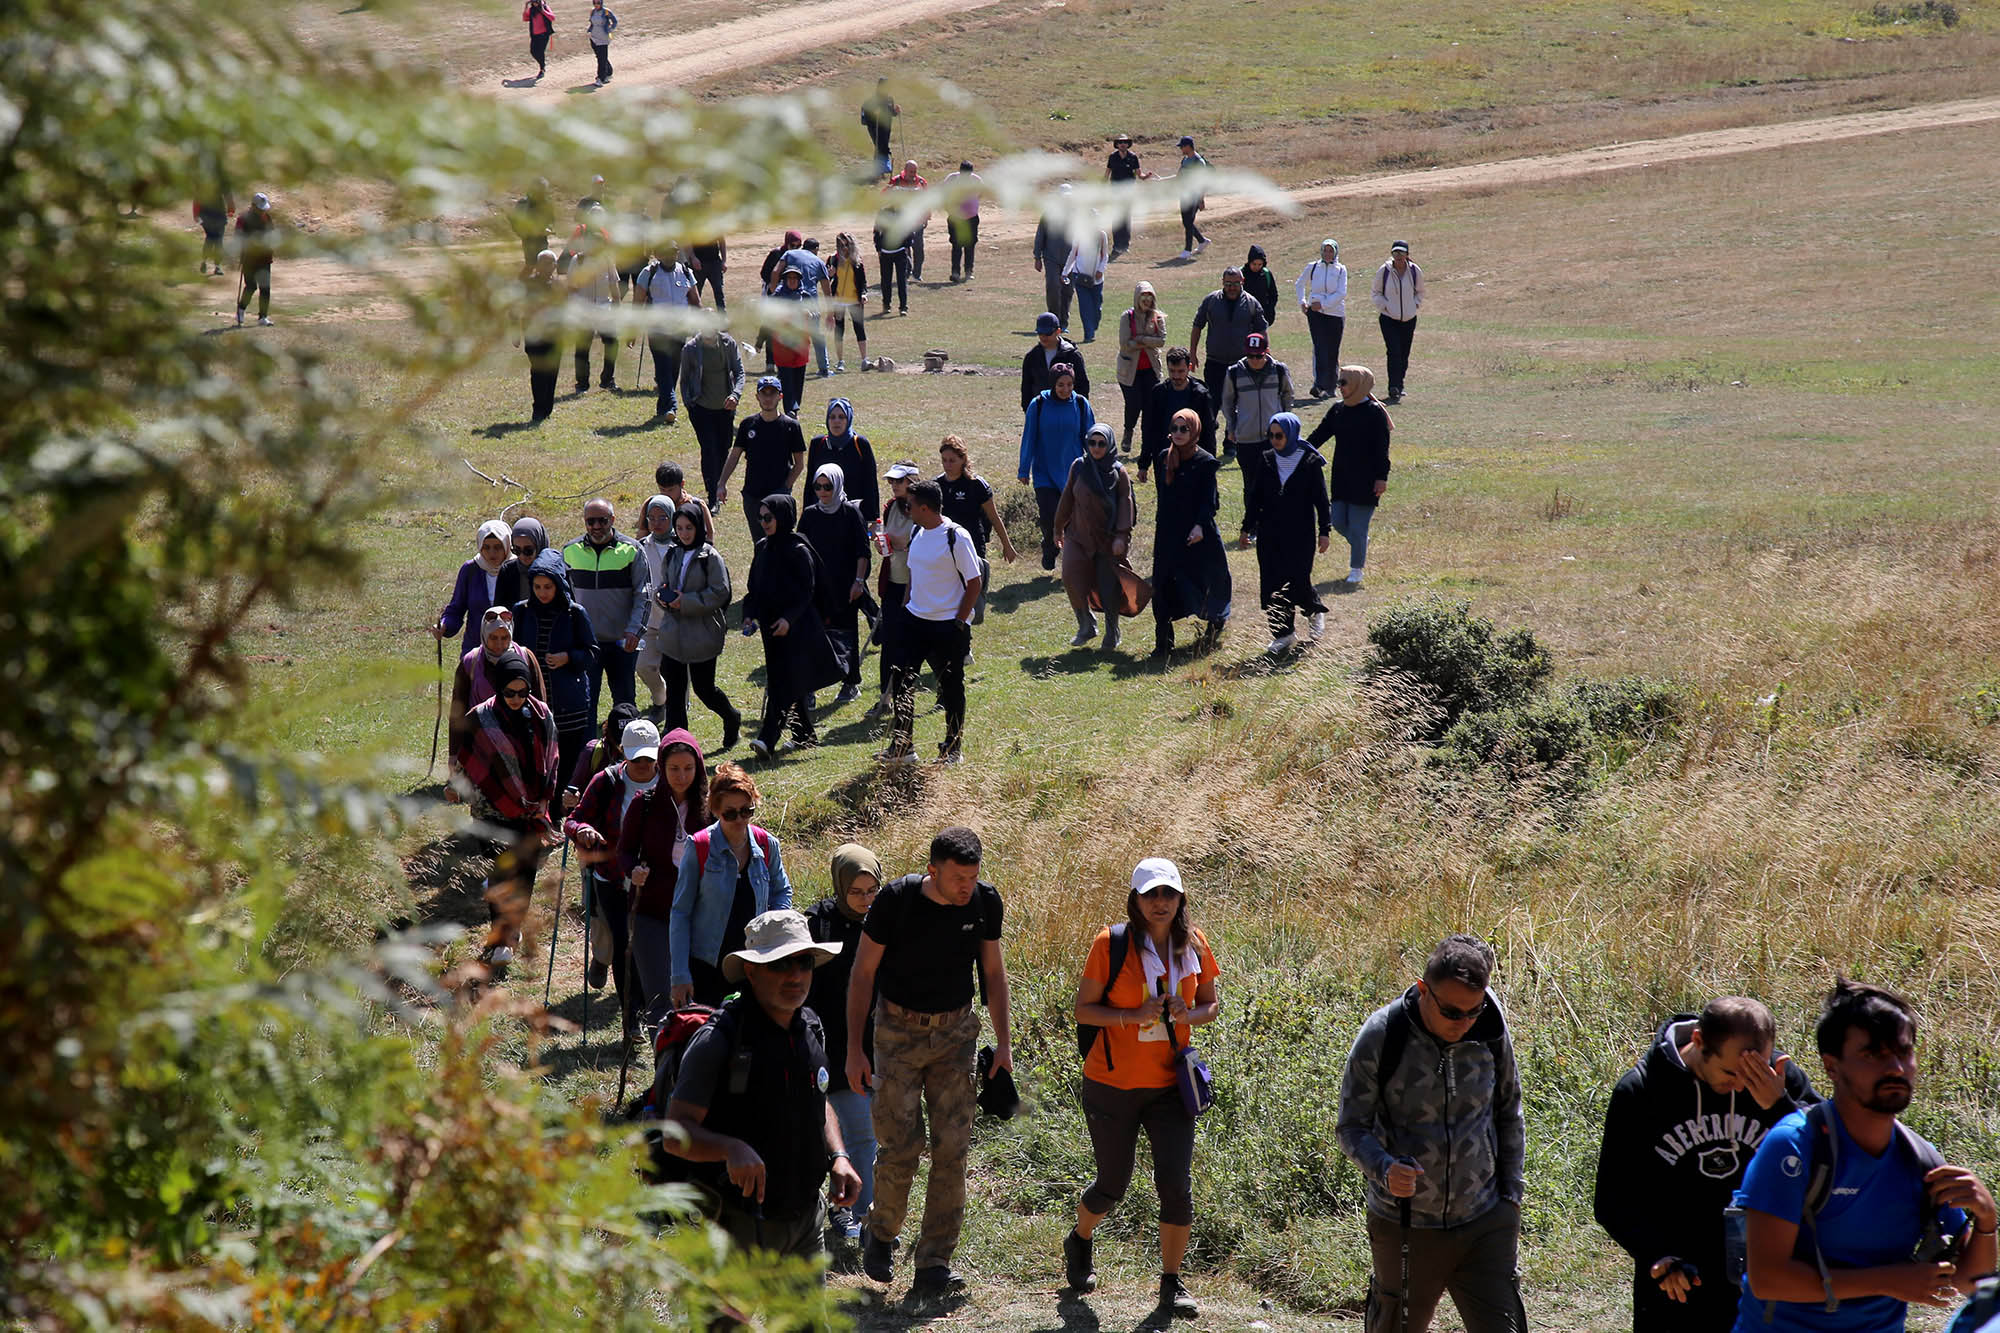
{"x": 1430, "y": 1110}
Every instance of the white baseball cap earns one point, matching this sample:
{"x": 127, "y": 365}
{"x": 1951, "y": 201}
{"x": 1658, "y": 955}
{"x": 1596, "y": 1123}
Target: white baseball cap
{"x": 1155, "y": 871}
{"x": 641, "y": 740}
{"x": 898, "y": 471}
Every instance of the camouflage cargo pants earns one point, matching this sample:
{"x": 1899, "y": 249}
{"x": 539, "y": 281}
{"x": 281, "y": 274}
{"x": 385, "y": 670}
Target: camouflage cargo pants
{"x": 923, "y": 1061}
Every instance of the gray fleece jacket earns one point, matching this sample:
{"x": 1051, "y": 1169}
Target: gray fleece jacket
{"x": 1454, "y": 1108}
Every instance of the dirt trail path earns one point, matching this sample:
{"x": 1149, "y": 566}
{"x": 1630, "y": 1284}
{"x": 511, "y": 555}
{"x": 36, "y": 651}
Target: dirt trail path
{"x": 683, "y": 57}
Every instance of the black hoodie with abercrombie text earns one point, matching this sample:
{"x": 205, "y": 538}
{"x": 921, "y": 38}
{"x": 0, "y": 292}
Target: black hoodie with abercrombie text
{"x": 1674, "y": 1152}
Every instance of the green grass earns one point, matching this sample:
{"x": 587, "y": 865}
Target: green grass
{"x": 1826, "y": 527}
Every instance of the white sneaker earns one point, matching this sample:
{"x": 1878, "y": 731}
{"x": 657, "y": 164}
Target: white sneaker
{"x": 1354, "y": 583}
{"x": 264, "y": 321}
{"x": 1185, "y": 254}
{"x": 1201, "y": 245}
{"x": 1284, "y": 643}
{"x": 1318, "y": 624}
{"x": 840, "y": 367}
{"x": 499, "y": 955}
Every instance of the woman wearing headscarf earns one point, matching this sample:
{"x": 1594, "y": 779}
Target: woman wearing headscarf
{"x": 692, "y": 593}
{"x": 730, "y": 873}
{"x": 1094, "y": 528}
{"x": 1051, "y": 439}
{"x": 1261, "y": 283}
{"x": 836, "y": 919}
{"x": 1190, "y": 567}
{"x": 1359, "y": 427}
{"x": 550, "y": 623}
{"x": 1142, "y": 332}
{"x": 833, "y": 525}
{"x": 1284, "y": 500}
{"x": 527, "y": 540}
{"x": 477, "y": 588}
{"x": 472, "y": 684}
{"x": 851, "y": 452}
{"x": 782, "y": 603}
{"x": 509, "y": 778}
{"x": 650, "y": 844}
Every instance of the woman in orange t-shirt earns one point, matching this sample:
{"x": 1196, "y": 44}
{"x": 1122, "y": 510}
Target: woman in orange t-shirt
{"x": 1128, "y": 1075}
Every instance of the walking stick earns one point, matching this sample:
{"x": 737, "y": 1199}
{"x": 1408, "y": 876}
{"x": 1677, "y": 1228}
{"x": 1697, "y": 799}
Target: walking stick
{"x": 589, "y": 906}
{"x": 438, "y": 725}
{"x": 555, "y": 931}
{"x": 626, "y": 1020}
{"x": 1403, "y": 1302}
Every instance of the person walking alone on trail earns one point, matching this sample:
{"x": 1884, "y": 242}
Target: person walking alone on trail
{"x": 257, "y": 242}
{"x": 878, "y": 116}
{"x": 1051, "y": 349}
{"x": 1051, "y": 440}
{"x": 1359, "y": 427}
{"x": 1849, "y": 1217}
{"x": 851, "y": 453}
{"x": 1254, "y": 390}
{"x": 711, "y": 386}
{"x": 1190, "y": 566}
{"x": 1230, "y": 315}
{"x": 909, "y": 181}
{"x": 925, "y": 939}
{"x": 836, "y": 920}
{"x": 968, "y": 502}
{"x": 1322, "y": 293}
{"x": 1179, "y": 390}
{"x": 848, "y": 298}
{"x": 1147, "y": 981}
{"x": 607, "y": 576}
{"x": 1094, "y": 530}
{"x": 1262, "y": 284}
{"x": 507, "y": 775}
{"x": 477, "y": 587}
{"x": 668, "y": 290}
{"x": 651, "y": 840}
{"x": 936, "y": 625}
{"x": 1284, "y": 501}
{"x": 1084, "y": 270}
{"x": 775, "y": 448}
{"x": 550, "y": 623}
{"x": 213, "y": 207}
{"x": 541, "y": 21}
{"x": 1122, "y": 168}
{"x": 1398, "y": 293}
{"x": 1051, "y": 253}
{"x": 601, "y": 24}
{"x": 1142, "y": 334}
{"x": 596, "y": 827}
{"x": 1430, "y": 1111}
{"x": 751, "y": 1101}
{"x": 1192, "y": 170}
{"x": 833, "y": 526}
{"x": 730, "y": 872}
{"x": 787, "y": 595}
{"x": 1681, "y": 1129}
{"x": 472, "y": 681}
{"x": 963, "y": 220}
{"x": 541, "y": 334}
{"x": 691, "y": 593}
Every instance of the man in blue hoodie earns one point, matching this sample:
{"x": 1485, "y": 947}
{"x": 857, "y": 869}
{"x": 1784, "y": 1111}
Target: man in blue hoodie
{"x": 1678, "y": 1136}
{"x": 1052, "y": 439}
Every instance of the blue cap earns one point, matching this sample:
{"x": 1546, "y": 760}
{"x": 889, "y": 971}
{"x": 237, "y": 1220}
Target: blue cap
{"x": 770, "y": 382}
{"x": 1046, "y": 322}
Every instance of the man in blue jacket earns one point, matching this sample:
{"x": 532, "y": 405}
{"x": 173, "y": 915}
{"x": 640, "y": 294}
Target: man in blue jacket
{"x": 1052, "y": 439}
{"x": 607, "y": 573}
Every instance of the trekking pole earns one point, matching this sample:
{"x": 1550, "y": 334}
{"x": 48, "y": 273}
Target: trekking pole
{"x": 589, "y": 906}
{"x": 1403, "y": 1300}
{"x": 555, "y": 931}
{"x": 438, "y": 725}
{"x": 627, "y": 1019}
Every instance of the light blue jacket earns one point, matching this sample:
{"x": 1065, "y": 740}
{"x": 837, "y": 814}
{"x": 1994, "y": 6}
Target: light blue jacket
{"x": 702, "y": 899}
{"x": 1052, "y": 437}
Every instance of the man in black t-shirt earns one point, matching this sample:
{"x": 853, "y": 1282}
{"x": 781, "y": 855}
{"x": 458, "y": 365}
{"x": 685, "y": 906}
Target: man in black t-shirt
{"x": 1122, "y": 167}
{"x": 924, "y": 939}
{"x": 751, "y": 1098}
{"x": 776, "y": 448}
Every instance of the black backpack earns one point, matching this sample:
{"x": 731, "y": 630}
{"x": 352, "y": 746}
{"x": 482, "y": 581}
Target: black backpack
{"x": 669, "y": 1048}
{"x": 1396, "y": 1036}
{"x": 1088, "y": 1033}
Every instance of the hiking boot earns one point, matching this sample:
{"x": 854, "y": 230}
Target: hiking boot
{"x": 1174, "y": 1299}
{"x": 732, "y": 728}
{"x": 904, "y": 753}
{"x": 1283, "y": 643}
{"x": 1110, "y": 633}
{"x": 1078, "y": 1270}
{"x": 939, "y": 1283}
{"x": 1318, "y": 624}
{"x": 1048, "y": 561}
{"x": 878, "y": 1257}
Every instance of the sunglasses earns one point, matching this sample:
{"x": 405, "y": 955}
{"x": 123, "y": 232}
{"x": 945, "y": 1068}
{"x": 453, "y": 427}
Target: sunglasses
{"x": 1100, "y": 444}
{"x": 766, "y": 518}
{"x": 1342, "y": 384}
{"x": 822, "y": 485}
{"x": 1279, "y": 435}
{"x": 597, "y": 522}
{"x": 1452, "y": 1015}
{"x": 798, "y": 962}
{"x": 520, "y": 693}
{"x": 1182, "y": 430}
{"x": 526, "y": 552}
{"x": 740, "y": 812}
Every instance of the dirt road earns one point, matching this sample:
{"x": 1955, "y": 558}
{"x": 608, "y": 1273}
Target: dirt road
{"x": 683, "y": 57}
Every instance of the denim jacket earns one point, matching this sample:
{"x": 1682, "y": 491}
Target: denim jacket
{"x": 701, "y": 903}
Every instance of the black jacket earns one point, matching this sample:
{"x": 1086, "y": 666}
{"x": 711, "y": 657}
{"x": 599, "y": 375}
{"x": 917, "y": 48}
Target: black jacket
{"x": 1360, "y": 436}
{"x": 1035, "y": 375}
{"x": 1286, "y": 516}
{"x": 1161, "y": 403}
{"x": 829, "y": 989}
{"x": 783, "y": 584}
{"x": 1674, "y": 1152}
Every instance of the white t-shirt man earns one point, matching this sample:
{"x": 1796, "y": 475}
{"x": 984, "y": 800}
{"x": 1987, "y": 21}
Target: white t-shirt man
{"x": 942, "y": 560}
{"x": 667, "y": 284}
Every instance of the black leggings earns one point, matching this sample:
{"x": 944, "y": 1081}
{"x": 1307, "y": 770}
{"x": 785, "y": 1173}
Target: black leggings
{"x": 611, "y": 900}
{"x": 1114, "y": 1117}
{"x": 1189, "y": 232}
{"x": 1136, "y": 393}
{"x": 678, "y": 675}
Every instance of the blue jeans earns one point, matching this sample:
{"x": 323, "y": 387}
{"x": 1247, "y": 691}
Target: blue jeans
{"x": 1351, "y": 521}
{"x": 1089, "y": 305}
{"x": 856, "y": 1113}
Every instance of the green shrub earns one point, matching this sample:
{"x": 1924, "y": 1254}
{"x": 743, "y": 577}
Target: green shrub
{"x": 1525, "y": 742}
{"x": 1458, "y": 659}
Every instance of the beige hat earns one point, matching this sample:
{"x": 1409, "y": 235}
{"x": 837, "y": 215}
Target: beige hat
{"x": 772, "y": 936}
